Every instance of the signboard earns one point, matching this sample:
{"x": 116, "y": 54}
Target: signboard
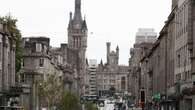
{"x": 156, "y": 96}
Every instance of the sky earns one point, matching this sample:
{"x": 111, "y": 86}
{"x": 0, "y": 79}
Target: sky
{"x": 115, "y": 21}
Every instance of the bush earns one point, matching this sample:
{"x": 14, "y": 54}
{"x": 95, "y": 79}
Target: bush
{"x": 91, "y": 106}
{"x": 69, "y": 101}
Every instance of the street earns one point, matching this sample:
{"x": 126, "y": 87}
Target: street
{"x": 108, "y": 106}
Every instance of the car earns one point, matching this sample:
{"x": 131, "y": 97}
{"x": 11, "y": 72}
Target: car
{"x": 110, "y": 102}
{"x": 101, "y": 103}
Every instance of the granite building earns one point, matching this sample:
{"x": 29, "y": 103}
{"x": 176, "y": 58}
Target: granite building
{"x": 9, "y": 90}
{"x": 169, "y": 66}
{"x": 39, "y": 62}
{"x": 67, "y": 61}
{"x": 136, "y": 80}
{"x": 111, "y": 74}
{"x": 77, "y": 43}
{"x": 184, "y": 51}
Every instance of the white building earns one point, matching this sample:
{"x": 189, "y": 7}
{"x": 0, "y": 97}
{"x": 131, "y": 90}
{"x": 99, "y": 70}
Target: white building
{"x": 145, "y": 35}
{"x": 92, "y": 70}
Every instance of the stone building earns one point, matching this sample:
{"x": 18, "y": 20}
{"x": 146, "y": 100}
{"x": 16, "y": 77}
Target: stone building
{"x": 136, "y": 80}
{"x": 9, "y": 89}
{"x": 158, "y": 69}
{"x": 145, "y": 35}
{"x": 77, "y": 43}
{"x": 170, "y": 63}
{"x": 111, "y": 74}
{"x": 7, "y": 67}
{"x": 184, "y": 51}
{"x": 39, "y": 62}
{"x": 67, "y": 61}
{"x": 144, "y": 42}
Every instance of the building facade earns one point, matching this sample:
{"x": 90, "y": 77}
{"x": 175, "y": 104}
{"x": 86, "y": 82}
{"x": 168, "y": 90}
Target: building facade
{"x": 39, "y": 62}
{"x": 77, "y": 41}
{"x": 136, "y": 80}
{"x": 145, "y": 35}
{"x": 7, "y": 67}
{"x": 67, "y": 61}
{"x": 169, "y": 66}
{"x": 111, "y": 74}
{"x": 184, "y": 35}
{"x": 92, "y": 77}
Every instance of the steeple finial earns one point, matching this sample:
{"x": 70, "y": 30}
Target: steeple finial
{"x": 101, "y": 62}
{"x": 77, "y": 13}
{"x": 117, "y": 48}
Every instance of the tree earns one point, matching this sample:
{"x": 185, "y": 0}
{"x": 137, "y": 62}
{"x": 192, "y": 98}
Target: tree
{"x": 50, "y": 91}
{"x": 13, "y": 30}
{"x": 69, "y": 101}
{"x": 91, "y": 106}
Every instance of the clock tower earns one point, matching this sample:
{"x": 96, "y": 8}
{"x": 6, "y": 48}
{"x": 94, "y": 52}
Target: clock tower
{"x": 77, "y": 29}
{"x": 77, "y": 40}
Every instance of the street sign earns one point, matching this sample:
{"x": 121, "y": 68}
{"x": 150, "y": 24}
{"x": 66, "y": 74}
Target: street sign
{"x": 156, "y": 96}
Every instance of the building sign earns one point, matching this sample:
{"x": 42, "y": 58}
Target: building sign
{"x": 156, "y": 96}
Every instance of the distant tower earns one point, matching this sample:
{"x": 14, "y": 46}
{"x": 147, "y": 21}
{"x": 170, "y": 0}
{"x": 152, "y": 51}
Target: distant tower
{"x": 117, "y": 54}
{"x": 108, "y": 51}
{"x": 112, "y": 56}
{"x": 77, "y": 40}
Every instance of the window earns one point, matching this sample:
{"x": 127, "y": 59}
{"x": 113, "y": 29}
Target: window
{"x": 104, "y": 86}
{"x": 42, "y": 48}
{"x": 38, "y": 47}
{"x": 41, "y": 62}
{"x": 178, "y": 59}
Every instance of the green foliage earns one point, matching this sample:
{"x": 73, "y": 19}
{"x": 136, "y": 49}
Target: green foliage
{"x": 50, "y": 91}
{"x": 13, "y": 30}
{"x": 91, "y": 106}
{"x": 69, "y": 101}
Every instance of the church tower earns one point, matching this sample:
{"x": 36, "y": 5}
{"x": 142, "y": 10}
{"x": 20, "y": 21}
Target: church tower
{"x": 77, "y": 41}
{"x": 77, "y": 29}
{"x": 112, "y": 56}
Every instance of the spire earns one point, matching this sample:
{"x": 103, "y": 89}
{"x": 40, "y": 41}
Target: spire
{"x": 117, "y": 48}
{"x": 117, "y": 53}
{"x": 77, "y": 13}
{"x": 84, "y": 25}
{"x": 101, "y": 62}
{"x": 70, "y": 21}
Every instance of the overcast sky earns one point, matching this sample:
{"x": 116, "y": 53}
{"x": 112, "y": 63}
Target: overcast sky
{"x": 115, "y": 21}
